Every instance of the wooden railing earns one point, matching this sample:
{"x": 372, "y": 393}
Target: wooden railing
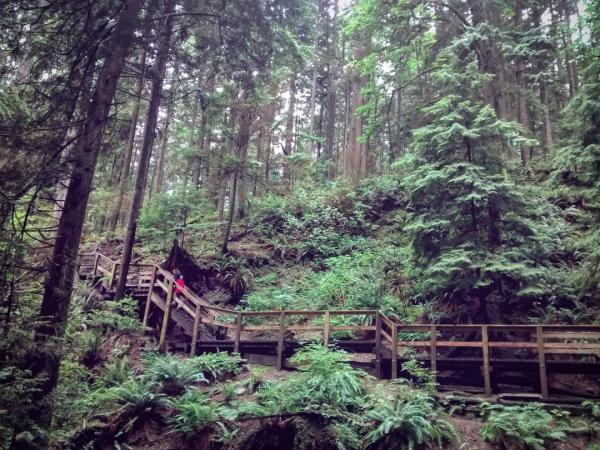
{"x": 96, "y": 264}
{"x": 391, "y": 339}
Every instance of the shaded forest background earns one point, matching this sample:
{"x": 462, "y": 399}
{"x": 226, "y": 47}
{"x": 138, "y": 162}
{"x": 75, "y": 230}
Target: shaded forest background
{"x": 437, "y": 160}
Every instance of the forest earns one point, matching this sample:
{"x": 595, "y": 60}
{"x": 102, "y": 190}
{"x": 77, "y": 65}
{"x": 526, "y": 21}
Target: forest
{"x": 300, "y": 224}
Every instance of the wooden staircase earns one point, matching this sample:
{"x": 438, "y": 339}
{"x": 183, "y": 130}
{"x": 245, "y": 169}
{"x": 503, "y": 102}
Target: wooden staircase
{"x": 488, "y": 354}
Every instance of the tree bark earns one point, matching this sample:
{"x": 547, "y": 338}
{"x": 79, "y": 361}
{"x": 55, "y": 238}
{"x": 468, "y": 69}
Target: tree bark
{"x": 315, "y": 74}
{"x": 54, "y": 309}
{"x": 160, "y": 170}
{"x": 126, "y": 165}
{"x": 158, "y": 75}
{"x": 357, "y": 156}
{"x": 245, "y": 117}
{"x": 331, "y": 101}
{"x": 289, "y": 131}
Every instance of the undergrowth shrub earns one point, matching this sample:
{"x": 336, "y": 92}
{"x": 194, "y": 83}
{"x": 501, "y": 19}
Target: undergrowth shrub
{"x": 136, "y": 398}
{"x": 381, "y": 193}
{"x": 312, "y": 224}
{"x": 119, "y": 315}
{"x": 172, "y": 373}
{"x": 409, "y": 421}
{"x": 217, "y": 366}
{"x": 328, "y": 378}
{"x": 194, "y": 412}
{"x": 325, "y": 383}
{"x": 522, "y": 427}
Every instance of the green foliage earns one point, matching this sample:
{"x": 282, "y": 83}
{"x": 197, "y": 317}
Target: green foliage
{"x": 527, "y": 427}
{"x": 168, "y": 213}
{"x": 135, "y": 397}
{"x": 482, "y": 247}
{"x": 173, "y": 373}
{"x": 121, "y": 315}
{"x": 193, "y": 411}
{"x": 233, "y": 275}
{"x": 420, "y": 375}
{"x": 325, "y": 383}
{"x": 412, "y": 423}
{"x": 329, "y": 379}
{"x": 312, "y": 224}
{"x": 576, "y": 171}
{"x": 217, "y": 366}
{"x": 115, "y": 373}
{"x": 354, "y": 282}
{"x": 592, "y": 409}
{"x": 16, "y": 389}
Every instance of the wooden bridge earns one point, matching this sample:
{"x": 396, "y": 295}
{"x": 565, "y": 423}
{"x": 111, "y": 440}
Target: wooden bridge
{"x": 492, "y": 358}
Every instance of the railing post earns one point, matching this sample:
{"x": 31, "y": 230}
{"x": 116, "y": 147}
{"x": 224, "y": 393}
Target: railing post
{"x": 281, "y": 342}
{"x": 485, "y": 346}
{"x": 195, "y": 330}
{"x": 326, "y": 325}
{"x": 378, "y": 344}
{"x": 394, "y": 351}
{"x": 113, "y": 274}
{"x": 238, "y": 332}
{"x": 149, "y": 298}
{"x": 96, "y": 259}
{"x": 433, "y": 353}
{"x": 542, "y": 361}
{"x": 166, "y": 315}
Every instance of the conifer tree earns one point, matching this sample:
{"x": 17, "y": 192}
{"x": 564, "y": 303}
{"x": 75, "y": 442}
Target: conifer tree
{"x": 476, "y": 247}
{"x": 577, "y": 163}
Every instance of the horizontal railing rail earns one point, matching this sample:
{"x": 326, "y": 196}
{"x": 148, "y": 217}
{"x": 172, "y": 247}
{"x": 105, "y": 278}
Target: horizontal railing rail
{"x": 391, "y": 338}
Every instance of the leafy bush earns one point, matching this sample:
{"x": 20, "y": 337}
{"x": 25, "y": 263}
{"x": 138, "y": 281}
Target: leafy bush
{"x": 353, "y": 282}
{"x": 312, "y": 224}
{"x": 217, "y": 366}
{"x": 195, "y": 412}
{"x": 328, "y": 378}
{"x": 325, "y": 383}
{"x": 115, "y": 373}
{"x": 91, "y": 343}
{"x": 412, "y": 422}
{"x": 233, "y": 275}
{"x": 119, "y": 315}
{"x": 168, "y": 212}
{"x": 192, "y": 411}
{"x": 381, "y": 193}
{"x": 592, "y": 409}
{"x": 521, "y": 427}
{"x": 135, "y": 397}
{"x": 172, "y": 373}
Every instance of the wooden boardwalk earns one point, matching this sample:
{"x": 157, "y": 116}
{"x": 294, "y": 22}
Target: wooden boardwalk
{"x": 488, "y": 355}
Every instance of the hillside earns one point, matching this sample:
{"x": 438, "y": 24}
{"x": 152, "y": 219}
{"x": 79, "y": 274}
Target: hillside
{"x": 299, "y": 224}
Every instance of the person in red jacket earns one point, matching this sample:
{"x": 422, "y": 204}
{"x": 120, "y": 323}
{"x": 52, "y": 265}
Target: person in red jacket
{"x": 179, "y": 284}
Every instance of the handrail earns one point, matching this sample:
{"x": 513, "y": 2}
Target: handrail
{"x": 544, "y": 339}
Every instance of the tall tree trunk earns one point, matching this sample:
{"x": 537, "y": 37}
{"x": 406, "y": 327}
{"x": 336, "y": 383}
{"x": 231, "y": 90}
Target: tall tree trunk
{"x": 158, "y": 75}
{"x": 54, "y": 309}
{"x": 126, "y": 164}
{"x": 331, "y": 101}
{"x": 264, "y": 146}
{"x": 567, "y": 43}
{"x": 543, "y": 90}
{"x": 245, "y": 117}
{"x": 357, "y": 159}
{"x": 232, "y": 209}
{"x": 314, "y": 78}
{"x": 289, "y": 131}
{"x": 202, "y": 157}
{"x": 160, "y": 169}
{"x": 522, "y": 106}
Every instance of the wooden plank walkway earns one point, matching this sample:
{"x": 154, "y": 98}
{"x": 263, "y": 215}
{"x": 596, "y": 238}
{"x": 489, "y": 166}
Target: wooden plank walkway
{"x": 482, "y": 349}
